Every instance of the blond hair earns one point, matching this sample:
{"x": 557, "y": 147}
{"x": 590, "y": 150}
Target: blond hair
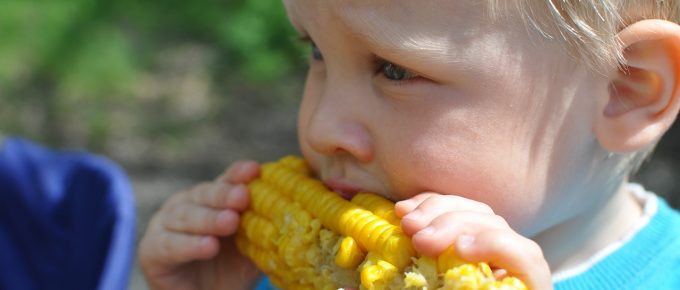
{"x": 589, "y": 30}
{"x": 587, "y": 27}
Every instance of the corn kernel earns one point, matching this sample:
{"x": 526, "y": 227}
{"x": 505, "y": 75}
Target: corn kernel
{"x": 306, "y": 237}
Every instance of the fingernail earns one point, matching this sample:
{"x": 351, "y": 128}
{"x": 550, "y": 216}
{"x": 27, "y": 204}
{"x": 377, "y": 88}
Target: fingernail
{"x": 223, "y": 217}
{"x": 428, "y": 231}
{"x": 244, "y": 167}
{"x": 205, "y": 241}
{"x": 414, "y": 215}
{"x": 465, "y": 241}
{"x": 403, "y": 203}
{"x": 236, "y": 189}
{"x": 240, "y": 169}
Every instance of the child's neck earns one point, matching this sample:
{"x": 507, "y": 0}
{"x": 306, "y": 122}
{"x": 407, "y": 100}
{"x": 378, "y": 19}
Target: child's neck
{"x": 575, "y": 241}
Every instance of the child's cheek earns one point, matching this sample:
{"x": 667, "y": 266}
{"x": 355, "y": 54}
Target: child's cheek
{"x": 498, "y": 180}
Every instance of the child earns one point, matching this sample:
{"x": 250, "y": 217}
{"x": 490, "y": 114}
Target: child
{"x": 505, "y": 128}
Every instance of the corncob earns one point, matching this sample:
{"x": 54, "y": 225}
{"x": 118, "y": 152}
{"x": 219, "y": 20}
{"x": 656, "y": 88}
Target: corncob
{"x": 304, "y": 236}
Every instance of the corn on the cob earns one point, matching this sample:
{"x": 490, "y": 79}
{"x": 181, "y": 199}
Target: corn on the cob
{"x": 305, "y": 237}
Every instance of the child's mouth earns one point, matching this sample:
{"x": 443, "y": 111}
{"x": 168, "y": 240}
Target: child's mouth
{"x": 344, "y": 190}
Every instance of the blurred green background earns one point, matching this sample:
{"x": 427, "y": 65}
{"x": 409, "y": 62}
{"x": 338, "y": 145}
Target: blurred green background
{"x": 172, "y": 90}
{"x": 142, "y": 81}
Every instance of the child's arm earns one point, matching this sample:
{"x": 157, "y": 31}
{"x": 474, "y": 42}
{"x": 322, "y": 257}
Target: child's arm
{"x": 189, "y": 242}
{"x": 437, "y": 221}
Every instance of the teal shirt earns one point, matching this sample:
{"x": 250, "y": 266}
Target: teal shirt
{"x": 649, "y": 260}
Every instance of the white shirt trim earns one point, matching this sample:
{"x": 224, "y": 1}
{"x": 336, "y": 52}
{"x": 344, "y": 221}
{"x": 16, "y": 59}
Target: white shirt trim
{"x": 649, "y": 207}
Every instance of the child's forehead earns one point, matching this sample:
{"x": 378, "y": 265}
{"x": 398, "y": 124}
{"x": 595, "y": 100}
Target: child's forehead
{"x": 436, "y": 34}
{"x": 390, "y": 22}
{"x": 361, "y": 14}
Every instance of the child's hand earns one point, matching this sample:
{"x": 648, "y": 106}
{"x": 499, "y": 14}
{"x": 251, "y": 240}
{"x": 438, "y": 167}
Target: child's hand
{"x": 189, "y": 242}
{"x": 437, "y": 221}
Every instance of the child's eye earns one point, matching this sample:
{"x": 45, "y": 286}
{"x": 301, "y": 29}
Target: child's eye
{"x": 396, "y": 73}
{"x": 316, "y": 53}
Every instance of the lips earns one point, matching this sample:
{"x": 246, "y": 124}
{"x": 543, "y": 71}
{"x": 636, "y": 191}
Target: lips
{"x": 344, "y": 190}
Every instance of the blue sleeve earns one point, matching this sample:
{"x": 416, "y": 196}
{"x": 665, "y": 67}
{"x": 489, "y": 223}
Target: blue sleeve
{"x": 66, "y": 220}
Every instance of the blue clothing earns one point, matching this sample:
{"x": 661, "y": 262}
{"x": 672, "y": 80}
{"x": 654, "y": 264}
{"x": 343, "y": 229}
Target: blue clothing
{"x": 649, "y": 260}
{"x": 66, "y": 220}
{"x": 264, "y": 284}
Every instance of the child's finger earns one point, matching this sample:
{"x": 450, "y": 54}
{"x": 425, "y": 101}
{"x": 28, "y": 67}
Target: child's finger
{"x": 434, "y": 206}
{"x": 443, "y": 231}
{"x": 401, "y": 208}
{"x": 196, "y": 219}
{"x": 240, "y": 172}
{"x": 188, "y": 194}
{"x": 178, "y": 248}
{"x": 221, "y": 195}
{"x": 504, "y": 249}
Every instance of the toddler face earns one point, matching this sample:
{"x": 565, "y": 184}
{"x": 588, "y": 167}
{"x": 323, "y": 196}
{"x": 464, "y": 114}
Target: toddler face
{"x": 404, "y": 97}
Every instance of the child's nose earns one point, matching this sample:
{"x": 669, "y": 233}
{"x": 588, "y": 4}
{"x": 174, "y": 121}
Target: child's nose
{"x": 336, "y": 126}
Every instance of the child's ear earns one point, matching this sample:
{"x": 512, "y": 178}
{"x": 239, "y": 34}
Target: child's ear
{"x": 644, "y": 93}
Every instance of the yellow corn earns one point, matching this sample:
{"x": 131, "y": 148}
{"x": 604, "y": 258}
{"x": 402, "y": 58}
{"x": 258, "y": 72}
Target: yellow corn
{"x": 379, "y": 205}
{"x": 349, "y": 254}
{"x": 304, "y": 236}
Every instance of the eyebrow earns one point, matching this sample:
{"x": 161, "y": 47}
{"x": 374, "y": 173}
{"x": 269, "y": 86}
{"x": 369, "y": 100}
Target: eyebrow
{"x": 411, "y": 43}
{"x": 412, "y": 48}
{"x": 389, "y": 44}
{"x": 393, "y": 42}
{"x": 385, "y": 44}
{"x": 393, "y": 51}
